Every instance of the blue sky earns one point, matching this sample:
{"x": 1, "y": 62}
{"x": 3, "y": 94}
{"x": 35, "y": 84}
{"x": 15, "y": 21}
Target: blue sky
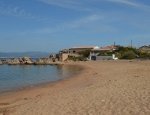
{"x": 49, "y": 25}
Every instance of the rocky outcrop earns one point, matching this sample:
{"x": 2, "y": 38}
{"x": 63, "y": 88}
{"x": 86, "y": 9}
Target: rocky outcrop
{"x": 17, "y": 61}
{"x": 1, "y": 62}
{"x": 39, "y": 61}
{"x": 43, "y": 61}
{"x": 28, "y": 61}
{"x": 25, "y": 60}
{"x": 14, "y": 61}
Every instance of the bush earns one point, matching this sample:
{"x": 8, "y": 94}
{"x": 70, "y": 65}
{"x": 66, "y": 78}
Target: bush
{"x": 128, "y": 55}
{"x": 85, "y": 54}
{"x": 144, "y": 55}
{"x": 73, "y": 58}
{"x": 105, "y": 53}
{"x": 126, "y": 52}
{"x": 125, "y": 49}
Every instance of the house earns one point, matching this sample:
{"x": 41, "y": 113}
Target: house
{"x": 94, "y": 51}
{"x": 103, "y": 53}
{"x": 75, "y": 51}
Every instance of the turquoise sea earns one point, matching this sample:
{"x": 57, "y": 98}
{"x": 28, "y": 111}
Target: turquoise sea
{"x": 20, "y": 76}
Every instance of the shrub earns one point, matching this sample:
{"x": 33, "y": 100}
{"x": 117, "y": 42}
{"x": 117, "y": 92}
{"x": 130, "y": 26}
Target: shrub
{"x": 126, "y": 52}
{"x": 105, "y": 53}
{"x": 144, "y": 55}
{"x": 85, "y": 53}
{"x": 129, "y": 55}
{"x": 73, "y": 58}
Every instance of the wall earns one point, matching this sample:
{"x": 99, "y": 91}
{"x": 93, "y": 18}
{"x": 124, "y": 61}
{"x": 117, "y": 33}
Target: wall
{"x": 64, "y": 56}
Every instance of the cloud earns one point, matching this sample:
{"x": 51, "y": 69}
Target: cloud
{"x": 15, "y": 11}
{"x": 74, "y": 24}
{"x": 130, "y": 3}
{"x": 68, "y": 4}
{"x": 126, "y": 2}
{"x": 84, "y": 21}
{"x": 86, "y": 5}
{"x": 93, "y": 23}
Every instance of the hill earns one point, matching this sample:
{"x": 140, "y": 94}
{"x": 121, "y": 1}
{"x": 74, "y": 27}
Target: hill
{"x": 24, "y": 54}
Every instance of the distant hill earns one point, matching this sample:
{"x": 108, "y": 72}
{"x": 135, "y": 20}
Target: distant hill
{"x": 24, "y": 54}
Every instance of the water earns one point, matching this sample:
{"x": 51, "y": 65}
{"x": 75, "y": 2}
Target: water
{"x": 19, "y": 76}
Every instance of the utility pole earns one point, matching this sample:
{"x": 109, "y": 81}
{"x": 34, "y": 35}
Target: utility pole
{"x": 131, "y": 44}
{"x": 114, "y": 43}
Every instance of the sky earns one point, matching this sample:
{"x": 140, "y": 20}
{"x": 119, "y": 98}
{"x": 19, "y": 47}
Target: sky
{"x": 51, "y": 25}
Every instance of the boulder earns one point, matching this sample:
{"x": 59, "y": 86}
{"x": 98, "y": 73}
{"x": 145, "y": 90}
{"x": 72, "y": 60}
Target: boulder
{"x": 21, "y": 61}
{"x": 1, "y": 62}
{"x": 14, "y": 61}
{"x": 47, "y": 60}
{"x": 39, "y": 61}
{"x": 26, "y": 60}
{"x": 43, "y": 61}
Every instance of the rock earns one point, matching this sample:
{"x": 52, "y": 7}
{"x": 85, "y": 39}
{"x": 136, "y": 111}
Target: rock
{"x": 47, "y": 60}
{"x": 39, "y": 61}
{"x": 4, "y": 61}
{"x": 17, "y": 61}
{"x": 21, "y": 61}
{"x": 1, "y": 62}
{"x": 43, "y": 61}
{"x": 26, "y": 60}
{"x": 14, "y": 61}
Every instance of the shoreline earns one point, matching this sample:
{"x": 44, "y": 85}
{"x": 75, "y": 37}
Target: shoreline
{"x": 39, "y": 85}
{"x": 10, "y": 99}
{"x": 92, "y": 88}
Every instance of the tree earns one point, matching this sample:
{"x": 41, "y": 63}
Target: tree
{"x": 85, "y": 53}
{"x": 126, "y": 52}
{"x": 129, "y": 55}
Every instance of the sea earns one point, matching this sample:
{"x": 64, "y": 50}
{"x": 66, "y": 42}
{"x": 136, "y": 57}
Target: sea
{"x": 14, "y": 77}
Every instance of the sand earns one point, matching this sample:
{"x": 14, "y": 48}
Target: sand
{"x": 102, "y": 88}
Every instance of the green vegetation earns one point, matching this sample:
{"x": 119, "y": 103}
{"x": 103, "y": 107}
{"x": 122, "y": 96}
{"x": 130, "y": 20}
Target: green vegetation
{"x": 121, "y": 52}
{"x": 144, "y": 55}
{"x": 83, "y": 56}
{"x": 126, "y": 52}
{"x": 80, "y": 58}
{"x": 85, "y": 53}
{"x": 104, "y": 53}
{"x": 131, "y": 53}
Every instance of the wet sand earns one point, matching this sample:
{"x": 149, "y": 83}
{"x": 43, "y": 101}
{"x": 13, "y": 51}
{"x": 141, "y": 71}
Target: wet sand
{"x": 103, "y": 88}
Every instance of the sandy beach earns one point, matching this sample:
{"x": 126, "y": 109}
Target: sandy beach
{"x": 102, "y": 88}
